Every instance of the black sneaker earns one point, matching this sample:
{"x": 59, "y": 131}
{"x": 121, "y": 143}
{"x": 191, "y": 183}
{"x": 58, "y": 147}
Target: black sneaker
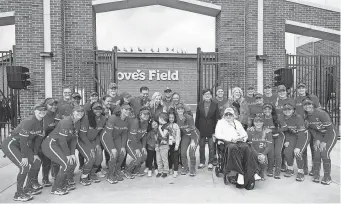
{"x": 289, "y": 173}
{"x": 21, "y": 197}
{"x": 127, "y": 174}
{"x": 158, "y": 175}
{"x": 84, "y": 181}
{"x": 36, "y": 185}
{"x": 119, "y": 175}
{"x": 326, "y": 180}
{"x": 316, "y": 178}
{"x": 192, "y": 172}
{"x": 46, "y": 183}
{"x": 69, "y": 187}
{"x": 71, "y": 181}
{"x": 164, "y": 175}
{"x": 31, "y": 191}
{"x": 184, "y": 171}
{"x": 311, "y": 173}
{"x": 300, "y": 177}
{"x": 59, "y": 192}
{"x": 283, "y": 168}
{"x": 112, "y": 180}
{"x": 93, "y": 178}
{"x": 270, "y": 172}
{"x": 277, "y": 174}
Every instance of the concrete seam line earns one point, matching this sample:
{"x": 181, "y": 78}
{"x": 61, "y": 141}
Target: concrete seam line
{"x": 8, "y": 187}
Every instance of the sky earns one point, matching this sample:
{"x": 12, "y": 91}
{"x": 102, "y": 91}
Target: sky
{"x": 158, "y": 27}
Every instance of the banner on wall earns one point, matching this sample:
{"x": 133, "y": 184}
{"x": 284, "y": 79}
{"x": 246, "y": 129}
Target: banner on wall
{"x": 151, "y": 75}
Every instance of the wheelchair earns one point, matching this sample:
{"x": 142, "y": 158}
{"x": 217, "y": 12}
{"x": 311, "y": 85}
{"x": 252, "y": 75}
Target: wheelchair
{"x": 220, "y": 167}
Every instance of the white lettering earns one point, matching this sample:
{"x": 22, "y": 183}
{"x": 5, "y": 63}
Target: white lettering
{"x": 163, "y": 76}
{"x": 152, "y": 75}
{"x": 175, "y": 76}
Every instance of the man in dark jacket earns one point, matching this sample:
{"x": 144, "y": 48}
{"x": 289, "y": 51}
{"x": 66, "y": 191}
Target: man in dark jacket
{"x": 207, "y": 115}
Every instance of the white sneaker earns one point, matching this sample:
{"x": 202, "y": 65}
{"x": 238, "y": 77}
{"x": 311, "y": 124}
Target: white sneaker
{"x": 175, "y": 174}
{"x": 146, "y": 170}
{"x": 156, "y": 171}
{"x": 240, "y": 179}
{"x": 149, "y": 173}
{"x": 257, "y": 177}
{"x": 104, "y": 171}
{"x": 210, "y": 166}
{"x": 170, "y": 171}
{"x": 100, "y": 174}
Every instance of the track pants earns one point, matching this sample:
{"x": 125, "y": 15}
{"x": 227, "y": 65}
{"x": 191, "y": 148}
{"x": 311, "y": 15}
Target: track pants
{"x": 325, "y": 156}
{"x": 305, "y": 153}
{"x": 289, "y": 152}
{"x": 185, "y": 142}
{"x": 106, "y": 156}
{"x": 211, "y": 149}
{"x": 53, "y": 151}
{"x": 110, "y": 143}
{"x": 11, "y": 148}
{"x": 45, "y": 161}
{"x": 132, "y": 146}
{"x": 90, "y": 162}
{"x": 275, "y": 155}
{"x": 173, "y": 158}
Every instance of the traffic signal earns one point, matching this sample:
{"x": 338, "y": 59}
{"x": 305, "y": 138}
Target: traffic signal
{"x": 18, "y": 77}
{"x": 284, "y": 77}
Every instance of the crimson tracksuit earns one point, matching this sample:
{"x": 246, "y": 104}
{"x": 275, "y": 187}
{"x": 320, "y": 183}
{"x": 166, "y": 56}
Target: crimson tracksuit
{"x": 322, "y": 129}
{"x": 275, "y": 153}
{"x": 279, "y": 103}
{"x": 137, "y": 131}
{"x": 254, "y": 110}
{"x": 188, "y": 132}
{"x": 261, "y": 143}
{"x": 272, "y": 99}
{"x": 300, "y": 111}
{"x": 297, "y": 136}
{"x": 19, "y": 145}
{"x": 115, "y": 136}
{"x": 250, "y": 100}
{"x": 89, "y": 138}
{"x": 49, "y": 125}
{"x": 59, "y": 144}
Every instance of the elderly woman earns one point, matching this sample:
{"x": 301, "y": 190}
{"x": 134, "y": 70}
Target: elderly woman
{"x": 240, "y": 106}
{"x": 239, "y": 156}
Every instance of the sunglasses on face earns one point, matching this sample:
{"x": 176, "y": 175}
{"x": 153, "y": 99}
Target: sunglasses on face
{"x": 168, "y": 91}
{"x": 228, "y": 114}
{"x": 288, "y": 109}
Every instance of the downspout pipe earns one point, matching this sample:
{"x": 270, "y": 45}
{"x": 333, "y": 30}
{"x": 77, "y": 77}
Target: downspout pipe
{"x": 47, "y": 47}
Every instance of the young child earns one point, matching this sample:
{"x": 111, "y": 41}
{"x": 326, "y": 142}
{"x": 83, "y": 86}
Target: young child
{"x": 150, "y": 146}
{"x": 261, "y": 142}
{"x": 174, "y": 143}
{"x": 162, "y": 146}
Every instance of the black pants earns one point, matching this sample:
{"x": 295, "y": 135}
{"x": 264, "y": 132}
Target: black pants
{"x": 151, "y": 157}
{"x": 173, "y": 158}
{"x": 211, "y": 149}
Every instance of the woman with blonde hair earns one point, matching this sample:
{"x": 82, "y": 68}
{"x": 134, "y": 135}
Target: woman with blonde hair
{"x": 240, "y": 106}
{"x": 156, "y": 105}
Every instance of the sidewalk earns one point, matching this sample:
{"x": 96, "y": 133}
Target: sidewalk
{"x": 205, "y": 187}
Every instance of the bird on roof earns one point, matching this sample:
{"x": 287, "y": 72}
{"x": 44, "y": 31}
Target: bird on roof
{"x": 125, "y": 50}
{"x": 152, "y": 50}
{"x": 139, "y": 49}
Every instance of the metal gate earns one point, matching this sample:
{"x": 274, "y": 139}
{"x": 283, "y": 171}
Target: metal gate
{"x": 224, "y": 69}
{"x": 93, "y": 70}
{"x": 9, "y": 98}
{"x": 321, "y": 74}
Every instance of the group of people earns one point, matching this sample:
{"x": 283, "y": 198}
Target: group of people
{"x": 157, "y": 133}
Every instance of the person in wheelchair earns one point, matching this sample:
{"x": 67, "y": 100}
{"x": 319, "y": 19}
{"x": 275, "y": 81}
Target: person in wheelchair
{"x": 240, "y": 161}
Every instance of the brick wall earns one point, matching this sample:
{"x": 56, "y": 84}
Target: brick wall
{"x": 321, "y": 47}
{"x": 73, "y": 26}
{"x": 186, "y": 86}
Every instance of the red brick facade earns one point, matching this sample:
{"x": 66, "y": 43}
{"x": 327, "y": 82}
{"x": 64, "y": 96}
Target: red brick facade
{"x": 73, "y": 26}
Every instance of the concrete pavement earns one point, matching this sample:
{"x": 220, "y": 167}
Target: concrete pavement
{"x": 205, "y": 187}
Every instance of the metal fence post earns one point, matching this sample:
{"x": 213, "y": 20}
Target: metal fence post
{"x": 199, "y": 73}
